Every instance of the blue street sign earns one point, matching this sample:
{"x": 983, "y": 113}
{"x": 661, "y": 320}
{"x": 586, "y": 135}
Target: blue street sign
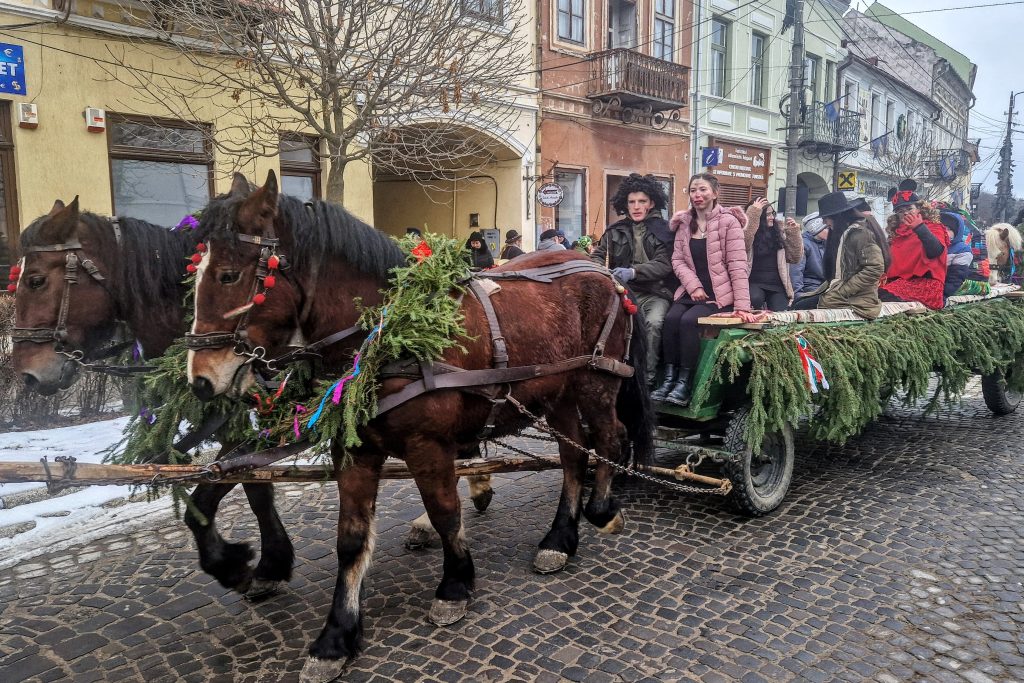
{"x": 710, "y": 156}
{"x": 12, "y": 69}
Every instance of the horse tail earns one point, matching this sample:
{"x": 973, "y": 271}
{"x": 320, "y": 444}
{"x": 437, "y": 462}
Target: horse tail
{"x": 633, "y": 403}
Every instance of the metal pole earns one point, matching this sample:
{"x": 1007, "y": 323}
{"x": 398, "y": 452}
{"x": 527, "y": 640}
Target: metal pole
{"x": 695, "y": 103}
{"x": 794, "y": 128}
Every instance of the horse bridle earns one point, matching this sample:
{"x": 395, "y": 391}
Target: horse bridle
{"x": 58, "y": 334}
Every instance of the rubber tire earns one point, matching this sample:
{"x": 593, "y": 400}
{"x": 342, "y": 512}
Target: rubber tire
{"x": 993, "y": 388}
{"x": 745, "y": 494}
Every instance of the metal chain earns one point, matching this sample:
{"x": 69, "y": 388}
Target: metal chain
{"x": 630, "y": 471}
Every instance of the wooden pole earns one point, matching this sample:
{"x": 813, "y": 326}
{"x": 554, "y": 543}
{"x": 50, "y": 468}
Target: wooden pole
{"x": 89, "y": 474}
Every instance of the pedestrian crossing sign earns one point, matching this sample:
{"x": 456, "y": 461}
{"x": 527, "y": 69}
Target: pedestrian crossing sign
{"x": 847, "y": 180}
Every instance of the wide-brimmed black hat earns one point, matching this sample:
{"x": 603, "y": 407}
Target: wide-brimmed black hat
{"x": 903, "y": 195}
{"x": 834, "y": 203}
{"x": 512, "y": 236}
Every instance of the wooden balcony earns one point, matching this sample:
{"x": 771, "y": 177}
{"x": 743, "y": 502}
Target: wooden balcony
{"x": 626, "y": 79}
{"x": 830, "y": 134}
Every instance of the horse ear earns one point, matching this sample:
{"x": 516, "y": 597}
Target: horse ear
{"x": 62, "y": 223}
{"x": 239, "y": 186}
{"x": 58, "y": 206}
{"x": 268, "y": 194}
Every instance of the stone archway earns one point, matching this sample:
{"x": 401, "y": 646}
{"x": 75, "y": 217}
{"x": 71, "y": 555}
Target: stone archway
{"x": 816, "y": 186}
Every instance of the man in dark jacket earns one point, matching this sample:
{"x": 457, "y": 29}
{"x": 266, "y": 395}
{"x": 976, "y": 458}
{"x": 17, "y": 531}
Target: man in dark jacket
{"x": 809, "y": 273}
{"x": 638, "y": 250}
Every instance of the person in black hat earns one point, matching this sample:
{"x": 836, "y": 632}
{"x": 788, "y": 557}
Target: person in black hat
{"x": 479, "y": 255}
{"x": 918, "y": 243}
{"x": 637, "y": 248}
{"x": 549, "y": 241}
{"x": 855, "y": 260}
{"x": 513, "y": 245}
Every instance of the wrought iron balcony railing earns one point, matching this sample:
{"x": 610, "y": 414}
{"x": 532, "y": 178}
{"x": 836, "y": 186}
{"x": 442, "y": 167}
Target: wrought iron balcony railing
{"x": 830, "y": 130}
{"x": 947, "y": 164}
{"x": 637, "y": 80}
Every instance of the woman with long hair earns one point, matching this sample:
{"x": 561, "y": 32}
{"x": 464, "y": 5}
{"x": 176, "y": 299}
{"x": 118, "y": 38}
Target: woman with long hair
{"x": 772, "y": 246}
{"x": 856, "y": 255}
{"x": 710, "y": 259}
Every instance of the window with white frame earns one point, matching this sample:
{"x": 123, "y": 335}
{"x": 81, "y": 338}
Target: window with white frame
{"x": 664, "y": 29}
{"x": 850, "y": 96}
{"x": 570, "y": 214}
{"x": 491, "y": 11}
{"x": 876, "y": 115}
{"x": 830, "y": 82}
{"x": 570, "y": 21}
{"x": 719, "y": 56}
{"x": 758, "y": 46}
{"x": 812, "y": 75}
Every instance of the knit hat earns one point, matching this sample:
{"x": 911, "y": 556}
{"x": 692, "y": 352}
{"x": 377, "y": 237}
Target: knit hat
{"x": 903, "y": 195}
{"x": 813, "y": 224}
{"x": 511, "y": 236}
{"x": 548, "y": 234}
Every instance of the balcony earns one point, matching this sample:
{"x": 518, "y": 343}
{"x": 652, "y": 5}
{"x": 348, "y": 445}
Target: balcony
{"x": 825, "y": 134}
{"x": 636, "y": 87}
{"x": 947, "y": 164}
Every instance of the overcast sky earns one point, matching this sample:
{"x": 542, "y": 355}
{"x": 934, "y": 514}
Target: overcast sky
{"x": 991, "y": 37}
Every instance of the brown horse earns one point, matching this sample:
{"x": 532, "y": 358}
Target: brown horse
{"x": 334, "y": 258}
{"x": 131, "y": 272}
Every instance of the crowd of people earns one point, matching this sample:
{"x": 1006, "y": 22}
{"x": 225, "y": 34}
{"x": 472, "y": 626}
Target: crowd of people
{"x": 713, "y": 260}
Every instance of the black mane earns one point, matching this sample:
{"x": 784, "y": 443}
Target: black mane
{"x": 321, "y": 230}
{"x": 149, "y": 267}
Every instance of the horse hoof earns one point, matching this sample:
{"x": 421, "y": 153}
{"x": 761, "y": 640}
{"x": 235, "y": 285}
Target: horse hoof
{"x": 615, "y": 526}
{"x": 262, "y": 588}
{"x": 321, "y": 670}
{"x": 420, "y": 538}
{"x": 550, "y": 561}
{"x": 447, "y": 612}
{"x": 480, "y": 502}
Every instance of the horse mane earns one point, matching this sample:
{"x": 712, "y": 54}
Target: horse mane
{"x": 150, "y": 265}
{"x": 321, "y": 231}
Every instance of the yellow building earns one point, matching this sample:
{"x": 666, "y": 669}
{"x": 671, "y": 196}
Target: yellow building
{"x": 74, "y": 122}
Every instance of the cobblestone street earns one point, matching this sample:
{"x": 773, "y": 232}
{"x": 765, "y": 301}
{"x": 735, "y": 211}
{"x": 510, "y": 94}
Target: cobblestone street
{"x": 895, "y": 557}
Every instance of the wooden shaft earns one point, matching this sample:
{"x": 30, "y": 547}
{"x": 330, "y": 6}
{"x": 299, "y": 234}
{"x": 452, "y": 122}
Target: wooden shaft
{"x": 683, "y": 472}
{"x": 89, "y": 474}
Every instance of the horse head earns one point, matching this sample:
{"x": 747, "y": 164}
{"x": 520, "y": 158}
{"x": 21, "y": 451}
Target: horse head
{"x": 246, "y": 305}
{"x": 64, "y": 309}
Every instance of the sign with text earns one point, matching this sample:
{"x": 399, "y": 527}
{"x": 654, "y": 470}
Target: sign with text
{"x": 550, "y": 194}
{"x": 743, "y": 163}
{"x": 12, "y": 69}
{"x": 711, "y": 156}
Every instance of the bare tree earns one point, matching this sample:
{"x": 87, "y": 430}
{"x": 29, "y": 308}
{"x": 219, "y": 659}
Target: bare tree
{"x": 914, "y": 156}
{"x": 404, "y": 84}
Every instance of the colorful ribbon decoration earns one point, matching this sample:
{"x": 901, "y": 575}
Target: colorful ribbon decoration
{"x": 812, "y": 368}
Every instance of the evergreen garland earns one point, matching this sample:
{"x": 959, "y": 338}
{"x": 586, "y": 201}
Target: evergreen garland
{"x": 867, "y": 362}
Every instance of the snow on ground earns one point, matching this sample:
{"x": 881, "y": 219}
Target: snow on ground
{"x": 87, "y": 518}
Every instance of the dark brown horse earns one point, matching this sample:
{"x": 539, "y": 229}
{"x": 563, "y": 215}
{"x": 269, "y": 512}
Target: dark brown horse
{"x": 335, "y": 258}
{"x": 128, "y": 271}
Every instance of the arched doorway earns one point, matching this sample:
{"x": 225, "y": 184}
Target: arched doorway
{"x": 452, "y": 181}
{"x": 816, "y": 189}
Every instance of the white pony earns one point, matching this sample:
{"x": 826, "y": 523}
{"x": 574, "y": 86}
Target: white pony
{"x": 1000, "y": 240}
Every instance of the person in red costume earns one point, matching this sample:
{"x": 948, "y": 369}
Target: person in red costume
{"x": 918, "y": 242}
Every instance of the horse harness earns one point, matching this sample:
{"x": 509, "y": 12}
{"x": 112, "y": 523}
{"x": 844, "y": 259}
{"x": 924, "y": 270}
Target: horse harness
{"x": 58, "y": 334}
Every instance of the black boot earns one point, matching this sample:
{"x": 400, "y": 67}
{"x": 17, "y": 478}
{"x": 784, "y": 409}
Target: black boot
{"x": 671, "y": 373}
{"x": 680, "y": 394}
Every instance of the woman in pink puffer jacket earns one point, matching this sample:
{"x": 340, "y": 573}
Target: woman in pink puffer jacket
{"x": 710, "y": 260}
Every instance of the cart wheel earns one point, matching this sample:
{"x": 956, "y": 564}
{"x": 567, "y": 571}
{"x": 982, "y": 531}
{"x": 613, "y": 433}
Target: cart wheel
{"x": 759, "y": 480}
{"x": 999, "y": 398}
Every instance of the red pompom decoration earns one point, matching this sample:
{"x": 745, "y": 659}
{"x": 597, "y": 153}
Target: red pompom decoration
{"x": 196, "y": 258}
{"x": 191, "y": 268}
{"x": 12, "y": 287}
{"x": 201, "y": 247}
{"x": 273, "y": 262}
{"x": 269, "y": 282}
{"x": 15, "y": 272}
{"x": 259, "y": 299}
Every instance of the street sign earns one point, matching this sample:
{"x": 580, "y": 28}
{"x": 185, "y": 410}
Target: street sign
{"x": 847, "y": 180}
{"x": 12, "y": 69}
{"x": 711, "y": 156}
{"x": 550, "y": 194}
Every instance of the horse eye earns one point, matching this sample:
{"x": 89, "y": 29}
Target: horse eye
{"x": 36, "y": 281}
{"x": 229, "y": 277}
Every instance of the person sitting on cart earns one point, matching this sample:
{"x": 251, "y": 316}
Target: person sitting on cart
{"x": 918, "y": 242}
{"x": 479, "y": 255}
{"x": 771, "y": 248}
{"x": 513, "y": 245}
{"x": 958, "y": 255}
{"x": 710, "y": 260}
{"x": 856, "y": 257}
{"x": 638, "y": 251}
{"x": 809, "y": 272}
